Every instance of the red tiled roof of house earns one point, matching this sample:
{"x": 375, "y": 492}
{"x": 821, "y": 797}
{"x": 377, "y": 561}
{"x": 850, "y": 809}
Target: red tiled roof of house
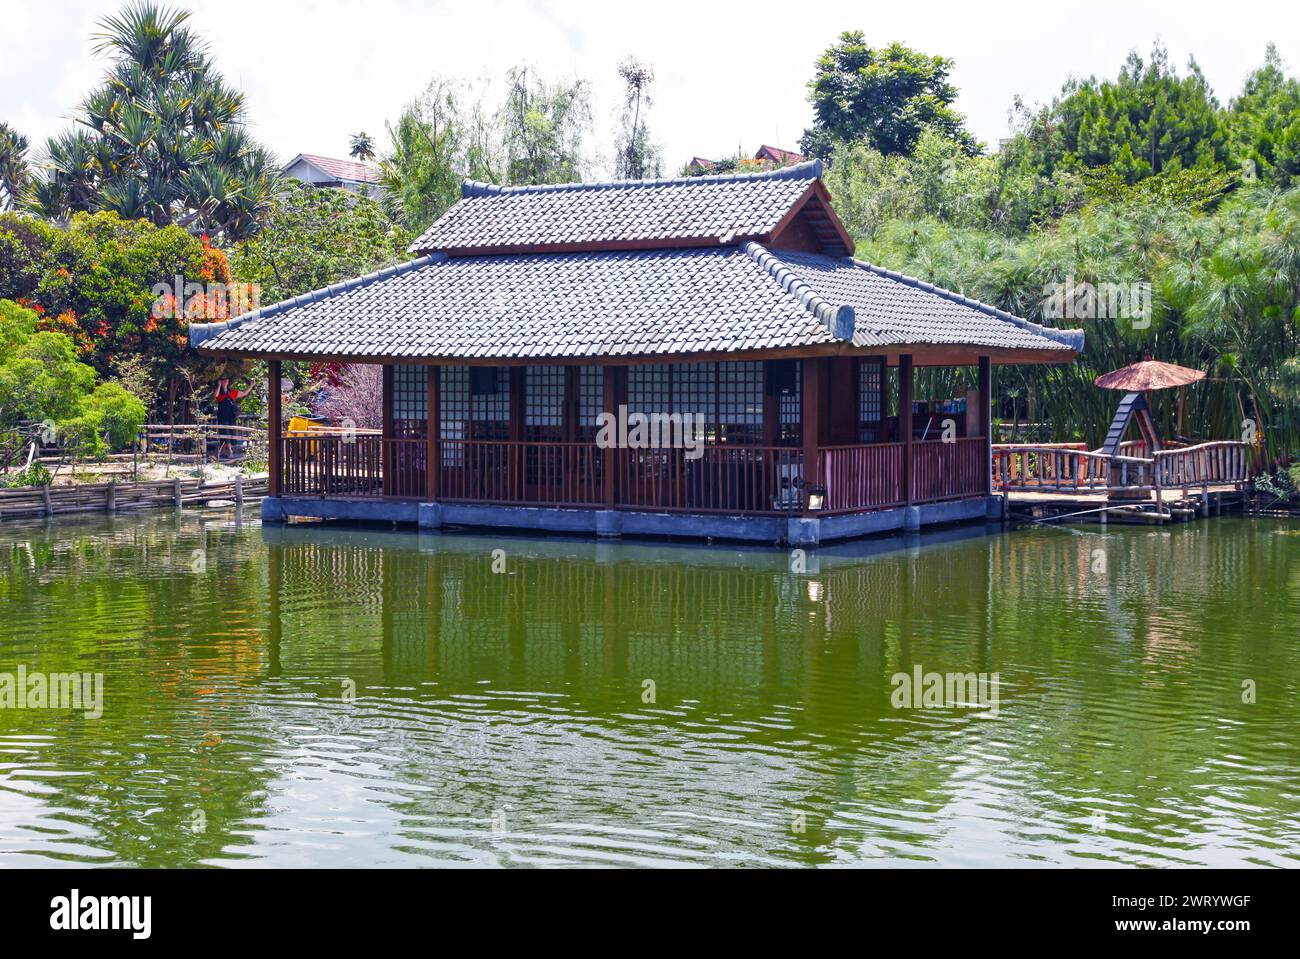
{"x": 777, "y": 155}
{"x": 341, "y": 169}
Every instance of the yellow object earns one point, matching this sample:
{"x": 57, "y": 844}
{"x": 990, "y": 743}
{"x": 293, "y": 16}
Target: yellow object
{"x": 299, "y": 426}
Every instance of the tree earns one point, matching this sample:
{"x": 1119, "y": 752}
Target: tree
{"x": 886, "y": 96}
{"x": 440, "y": 138}
{"x": 1264, "y": 123}
{"x": 13, "y": 166}
{"x": 543, "y": 127}
{"x": 636, "y": 158}
{"x": 312, "y": 238}
{"x": 363, "y": 147}
{"x": 162, "y": 138}
{"x": 1146, "y": 121}
{"x": 98, "y": 281}
{"x": 42, "y": 380}
{"x": 357, "y": 399}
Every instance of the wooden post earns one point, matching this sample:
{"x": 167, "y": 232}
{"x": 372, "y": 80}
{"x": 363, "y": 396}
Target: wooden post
{"x": 986, "y": 416}
{"x": 810, "y": 401}
{"x": 177, "y": 497}
{"x": 386, "y": 450}
{"x": 905, "y": 422}
{"x": 518, "y": 402}
{"x": 611, "y": 453}
{"x": 572, "y": 403}
{"x": 239, "y": 489}
{"x": 275, "y": 445}
{"x": 110, "y": 497}
{"x": 433, "y": 436}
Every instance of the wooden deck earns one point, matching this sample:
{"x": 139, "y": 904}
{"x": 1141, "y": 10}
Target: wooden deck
{"x": 1059, "y": 481}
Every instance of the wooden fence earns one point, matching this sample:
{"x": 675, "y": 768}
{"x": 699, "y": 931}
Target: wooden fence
{"x": 123, "y": 497}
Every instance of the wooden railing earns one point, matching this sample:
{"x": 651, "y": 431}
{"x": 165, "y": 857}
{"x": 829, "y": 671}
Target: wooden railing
{"x": 332, "y": 466}
{"x": 764, "y": 480}
{"x": 954, "y": 470}
{"x": 723, "y": 479}
{"x": 868, "y": 476}
{"x": 1209, "y": 464}
{"x": 1065, "y": 468}
{"x": 526, "y": 474}
{"x": 404, "y": 468}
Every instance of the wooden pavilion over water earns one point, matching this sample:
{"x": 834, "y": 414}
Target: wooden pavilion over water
{"x": 530, "y": 311}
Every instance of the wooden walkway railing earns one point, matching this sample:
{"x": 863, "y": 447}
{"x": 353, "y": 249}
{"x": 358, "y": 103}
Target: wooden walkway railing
{"x": 1065, "y": 468}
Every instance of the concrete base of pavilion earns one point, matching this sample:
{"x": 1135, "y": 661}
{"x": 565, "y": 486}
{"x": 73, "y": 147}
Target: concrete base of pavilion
{"x": 788, "y": 531}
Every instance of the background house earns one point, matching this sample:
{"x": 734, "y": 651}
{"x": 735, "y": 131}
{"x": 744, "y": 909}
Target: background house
{"x": 322, "y": 171}
{"x": 764, "y": 158}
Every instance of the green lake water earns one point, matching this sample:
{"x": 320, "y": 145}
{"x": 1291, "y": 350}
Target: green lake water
{"x": 310, "y": 696}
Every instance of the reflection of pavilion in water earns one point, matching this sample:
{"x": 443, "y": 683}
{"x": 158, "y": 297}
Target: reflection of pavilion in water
{"x": 736, "y": 643}
{"x": 720, "y": 625}
{"x": 715, "y": 625}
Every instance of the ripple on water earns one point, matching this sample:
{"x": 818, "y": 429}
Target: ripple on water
{"x": 329, "y": 698}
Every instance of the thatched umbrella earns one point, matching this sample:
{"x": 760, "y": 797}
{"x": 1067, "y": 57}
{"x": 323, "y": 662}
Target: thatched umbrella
{"x": 1151, "y": 375}
{"x": 1148, "y": 375}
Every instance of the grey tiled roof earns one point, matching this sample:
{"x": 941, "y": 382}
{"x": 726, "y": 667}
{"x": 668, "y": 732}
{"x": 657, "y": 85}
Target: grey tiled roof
{"x": 620, "y": 304}
{"x": 540, "y": 305}
{"x": 699, "y": 211}
{"x": 892, "y": 309}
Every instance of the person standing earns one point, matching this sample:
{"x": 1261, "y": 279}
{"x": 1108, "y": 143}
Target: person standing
{"x": 227, "y": 398}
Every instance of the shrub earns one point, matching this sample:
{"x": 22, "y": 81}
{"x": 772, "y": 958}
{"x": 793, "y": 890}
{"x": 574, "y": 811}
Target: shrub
{"x": 34, "y": 475}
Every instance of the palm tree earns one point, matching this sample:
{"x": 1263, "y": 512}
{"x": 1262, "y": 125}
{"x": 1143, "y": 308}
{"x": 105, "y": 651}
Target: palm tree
{"x": 13, "y": 165}
{"x": 163, "y": 137}
{"x": 363, "y": 147}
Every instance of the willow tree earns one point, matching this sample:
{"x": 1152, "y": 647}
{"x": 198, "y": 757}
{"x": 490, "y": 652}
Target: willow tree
{"x": 544, "y": 125}
{"x": 163, "y": 138}
{"x": 442, "y": 137}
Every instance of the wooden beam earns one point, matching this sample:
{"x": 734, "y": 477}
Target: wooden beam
{"x": 572, "y": 403}
{"x": 518, "y": 402}
{"x": 771, "y": 409}
{"x": 811, "y": 404}
{"x": 389, "y": 429}
{"x": 905, "y": 422}
{"x": 274, "y": 423}
{"x": 986, "y": 416}
{"x": 433, "y": 436}
{"x": 610, "y": 454}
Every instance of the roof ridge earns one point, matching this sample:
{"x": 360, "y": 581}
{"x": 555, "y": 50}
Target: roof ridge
{"x": 808, "y": 170}
{"x": 200, "y": 332}
{"x": 1071, "y": 338}
{"x": 839, "y": 319}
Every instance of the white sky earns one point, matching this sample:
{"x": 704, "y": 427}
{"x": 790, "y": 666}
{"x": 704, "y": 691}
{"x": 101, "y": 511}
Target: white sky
{"x": 730, "y": 73}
